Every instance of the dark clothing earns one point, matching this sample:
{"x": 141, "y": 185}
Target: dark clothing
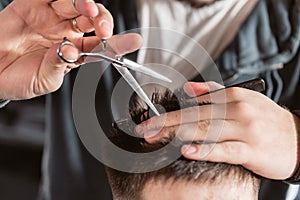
{"x": 4, "y": 3}
{"x": 70, "y": 171}
{"x": 269, "y": 38}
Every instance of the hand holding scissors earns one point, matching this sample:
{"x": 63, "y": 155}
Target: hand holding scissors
{"x": 120, "y": 63}
{"x": 29, "y": 36}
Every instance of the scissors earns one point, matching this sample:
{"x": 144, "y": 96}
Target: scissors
{"x": 121, "y": 64}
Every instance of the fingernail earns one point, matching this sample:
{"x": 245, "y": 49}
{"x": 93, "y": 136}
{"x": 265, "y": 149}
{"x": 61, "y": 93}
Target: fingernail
{"x": 106, "y": 28}
{"x": 150, "y": 134}
{"x": 188, "y": 149}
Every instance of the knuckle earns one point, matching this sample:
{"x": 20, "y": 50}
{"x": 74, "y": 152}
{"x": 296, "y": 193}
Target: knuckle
{"x": 203, "y": 126}
{"x": 233, "y": 92}
{"x": 242, "y": 107}
{"x": 247, "y": 116}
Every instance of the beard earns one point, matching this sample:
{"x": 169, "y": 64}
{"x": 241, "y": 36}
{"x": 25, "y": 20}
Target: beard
{"x": 198, "y": 3}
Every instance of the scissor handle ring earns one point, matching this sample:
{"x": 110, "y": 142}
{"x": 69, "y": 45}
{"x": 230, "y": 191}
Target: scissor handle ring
{"x": 60, "y": 54}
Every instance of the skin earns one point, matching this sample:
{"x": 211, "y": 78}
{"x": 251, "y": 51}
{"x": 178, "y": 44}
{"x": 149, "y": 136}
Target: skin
{"x": 255, "y": 132}
{"x": 181, "y": 190}
{"x": 30, "y": 33}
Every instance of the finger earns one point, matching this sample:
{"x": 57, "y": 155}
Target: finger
{"x": 87, "y": 8}
{"x": 184, "y": 116}
{"x": 229, "y": 152}
{"x": 67, "y": 10}
{"x": 126, "y": 43}
{"x": 72, "y": 51}
{"x": 207, "y": 130}
{"x": 52, "y": 70}
{"x": 194, "y": 89}
{"x": 122, "y": 43}
{"x": 232, "y": 94}
{"x": 103, "y": 22}
{"x": 83, "y": 24}
{"x": 165, "y": 134}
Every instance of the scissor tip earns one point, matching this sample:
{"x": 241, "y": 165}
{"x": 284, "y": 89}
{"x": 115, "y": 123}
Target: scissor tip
{"x": 169, "y": 80}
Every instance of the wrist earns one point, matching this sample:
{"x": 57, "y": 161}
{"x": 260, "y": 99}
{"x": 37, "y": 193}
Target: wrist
{"x": 295, "y": 178}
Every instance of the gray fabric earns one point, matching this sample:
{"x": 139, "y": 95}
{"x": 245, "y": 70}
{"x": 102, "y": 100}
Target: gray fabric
{"x": 270, "y": 36}
{"x": 267, "y": 45}
{"x": 4, "y": 3}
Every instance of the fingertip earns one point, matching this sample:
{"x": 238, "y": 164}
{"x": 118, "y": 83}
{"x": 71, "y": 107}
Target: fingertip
{"x": 126, "y": 43}
{"x": 188, "y": 150}
{"x": 196, "y": 88}
{"x": 136, "y": 40}
{"x": 151, "y": 134}
{"x": 150, "y": 140}
{"x": 103, "y": 28}
{"x": 153, "y": 137}
{"x": 103, "y": 22}
{"x": 188, "y": 89}
{"x": 106, "y": 29}
{"x": 87, "y": 8}
{"x": 131, "y": 42}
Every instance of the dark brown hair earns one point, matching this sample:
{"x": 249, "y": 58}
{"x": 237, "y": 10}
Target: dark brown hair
{"x": 127, "y": 185}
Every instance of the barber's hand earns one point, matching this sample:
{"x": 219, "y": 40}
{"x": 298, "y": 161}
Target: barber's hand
{"x": 246, "y": 128}
{"x": 29, "y": 36}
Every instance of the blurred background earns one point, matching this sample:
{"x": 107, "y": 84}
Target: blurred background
{"x": 22, "y": 126}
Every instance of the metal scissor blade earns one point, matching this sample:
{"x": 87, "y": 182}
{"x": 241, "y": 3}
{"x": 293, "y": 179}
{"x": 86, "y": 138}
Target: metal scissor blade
{"x": 140, "y": 68}
{"x": 135, "y": 86}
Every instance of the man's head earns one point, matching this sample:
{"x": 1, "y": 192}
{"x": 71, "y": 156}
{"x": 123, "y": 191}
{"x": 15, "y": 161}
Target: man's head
{"x": 182, "y": 178}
